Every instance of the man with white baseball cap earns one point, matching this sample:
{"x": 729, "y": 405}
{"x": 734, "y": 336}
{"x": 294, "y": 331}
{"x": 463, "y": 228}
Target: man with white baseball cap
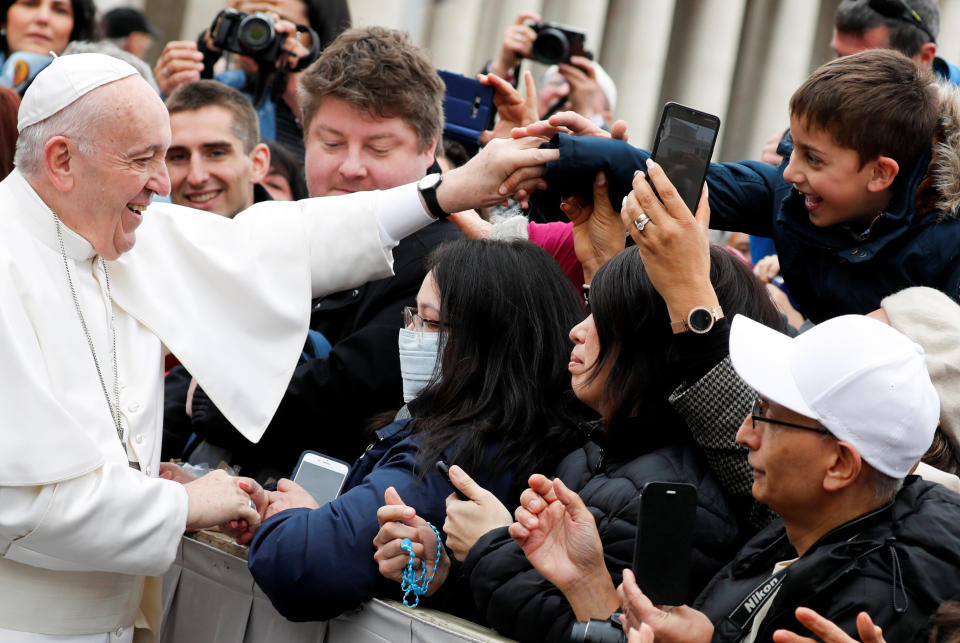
{"x": 97, "y": 283}
{"x": 844, "y": 413}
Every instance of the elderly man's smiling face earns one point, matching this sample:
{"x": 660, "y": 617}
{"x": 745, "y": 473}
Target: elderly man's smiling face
{"x": 115, "y": 185}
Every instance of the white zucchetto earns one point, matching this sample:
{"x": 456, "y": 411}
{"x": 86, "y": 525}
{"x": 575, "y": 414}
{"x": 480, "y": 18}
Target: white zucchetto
{"x": 65, "y": 80}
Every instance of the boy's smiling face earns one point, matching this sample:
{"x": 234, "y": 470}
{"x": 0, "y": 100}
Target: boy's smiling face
{"x": 835, "y": 188}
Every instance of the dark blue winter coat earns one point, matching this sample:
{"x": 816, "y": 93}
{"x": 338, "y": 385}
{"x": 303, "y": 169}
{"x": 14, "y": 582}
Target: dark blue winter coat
{"x": 316, "y": 564}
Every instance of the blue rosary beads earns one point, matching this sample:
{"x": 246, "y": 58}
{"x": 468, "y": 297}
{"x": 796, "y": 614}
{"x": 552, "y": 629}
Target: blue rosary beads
{"x": 417, "y": 583}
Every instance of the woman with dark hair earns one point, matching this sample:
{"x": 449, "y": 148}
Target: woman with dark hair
{"x": 285, "y": 180}
{"x": 484, "y": 359}
{"x": 626, "y": 361}
{"x": 31, "y": 29}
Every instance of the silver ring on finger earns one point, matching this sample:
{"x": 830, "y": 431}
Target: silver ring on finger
{"x": 641, "y": 221}
{"x": 252, "y": 505}
{"x": 518, "y": 37}
{"x": 166, "y": 72}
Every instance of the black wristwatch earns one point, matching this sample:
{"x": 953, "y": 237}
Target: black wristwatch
{"x": 699, "y": 320}
{"x": 427, "y": 187}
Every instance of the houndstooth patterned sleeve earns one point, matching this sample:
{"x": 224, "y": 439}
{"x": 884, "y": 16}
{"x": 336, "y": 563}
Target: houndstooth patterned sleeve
{"x": 713, "y": 408}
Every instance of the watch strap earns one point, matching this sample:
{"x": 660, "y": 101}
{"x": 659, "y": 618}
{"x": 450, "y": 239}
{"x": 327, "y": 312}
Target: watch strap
{"x": 429, "y": 195}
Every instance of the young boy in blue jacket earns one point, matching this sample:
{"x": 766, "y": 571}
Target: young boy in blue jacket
{"x": 864, "y": 205}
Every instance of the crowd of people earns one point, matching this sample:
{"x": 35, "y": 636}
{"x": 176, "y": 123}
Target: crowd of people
{"x": 546, "y": 316}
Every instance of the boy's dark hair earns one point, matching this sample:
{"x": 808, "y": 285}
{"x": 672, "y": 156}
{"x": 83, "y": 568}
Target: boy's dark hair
{"x": 856, "y": 17}
{"x": 876, "y": 102}
{"x": 380, "y": 72}
{"x": 212, "y": 93}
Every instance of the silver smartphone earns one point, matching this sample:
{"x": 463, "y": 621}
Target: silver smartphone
{"x": 321, "y": 475}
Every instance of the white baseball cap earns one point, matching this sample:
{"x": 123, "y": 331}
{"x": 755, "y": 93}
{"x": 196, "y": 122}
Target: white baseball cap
{"x": 863, "y": 380}
{"x": 65, "y": 80}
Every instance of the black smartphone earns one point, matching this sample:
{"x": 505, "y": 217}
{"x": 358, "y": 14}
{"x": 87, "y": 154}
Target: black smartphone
{"x": 444, "y": 470}
{"x": 683, "y": 148}
{"x": 661, "y": 553}
{"x": 321, "y": 475}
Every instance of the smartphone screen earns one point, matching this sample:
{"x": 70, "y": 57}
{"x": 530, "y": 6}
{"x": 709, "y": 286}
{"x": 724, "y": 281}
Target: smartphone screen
{"x": 661, "y": 554}
{"x": 684, "y": 146}
{"x": 321, "y": 476}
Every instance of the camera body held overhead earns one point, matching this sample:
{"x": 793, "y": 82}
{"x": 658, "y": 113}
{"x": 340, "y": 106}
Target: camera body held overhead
{"x": 555, "y": 43}
{"x": 255, "y": 35}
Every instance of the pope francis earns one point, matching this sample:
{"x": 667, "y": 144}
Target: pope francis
{"x": 86, "y": 317}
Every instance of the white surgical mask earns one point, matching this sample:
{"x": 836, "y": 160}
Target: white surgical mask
{"x": 419, "y": 353}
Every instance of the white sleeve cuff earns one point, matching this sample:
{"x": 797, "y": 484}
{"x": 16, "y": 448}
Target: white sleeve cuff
{"x": 399, "y": 214}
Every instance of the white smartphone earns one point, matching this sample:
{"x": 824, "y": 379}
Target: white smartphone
{"x": 322, "y": 476}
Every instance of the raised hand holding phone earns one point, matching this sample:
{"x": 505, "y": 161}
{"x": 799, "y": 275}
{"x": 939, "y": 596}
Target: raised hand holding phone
{"x": 684, "y": 146}
{"x": 674, "y": 244}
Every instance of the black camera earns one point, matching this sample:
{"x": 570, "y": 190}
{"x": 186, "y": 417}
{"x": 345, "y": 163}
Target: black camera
{"x": 555, "y": 43}
{"x": 597, "y": 631}
{"x": 256, "y": 35}
{"x": 253, "y": 35}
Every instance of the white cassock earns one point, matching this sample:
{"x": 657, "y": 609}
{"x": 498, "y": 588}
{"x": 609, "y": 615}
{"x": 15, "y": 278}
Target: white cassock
{"x": 79, "y": 528}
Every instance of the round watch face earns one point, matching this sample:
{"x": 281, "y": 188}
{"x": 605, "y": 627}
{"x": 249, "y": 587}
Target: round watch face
{"x": 700, "y": 320}
{"x": 430, "y": 181}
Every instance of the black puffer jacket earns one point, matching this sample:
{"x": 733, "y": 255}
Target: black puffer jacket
{"x": 897, "y": 563}
{"x": 608, "y": 473}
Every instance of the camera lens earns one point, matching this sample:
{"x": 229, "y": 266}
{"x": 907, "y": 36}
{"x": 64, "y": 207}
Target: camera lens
{"x": 551, "y": 47}
{"x": 255, "y": 33}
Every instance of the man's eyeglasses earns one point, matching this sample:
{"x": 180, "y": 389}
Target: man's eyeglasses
{"x": 760, "y": 409}
{"x": 901, "y": 10}
{"x": 413, "y": 321}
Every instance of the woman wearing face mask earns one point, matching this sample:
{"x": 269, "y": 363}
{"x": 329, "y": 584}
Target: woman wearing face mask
{"x": 32, "y": 30}
{"x": 626, "y": 361}
{"x": 487, "y": 344}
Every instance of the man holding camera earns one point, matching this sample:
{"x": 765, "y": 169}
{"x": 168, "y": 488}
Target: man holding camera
{"x": 572, "y": 82}
{"x": 273, "y": 46}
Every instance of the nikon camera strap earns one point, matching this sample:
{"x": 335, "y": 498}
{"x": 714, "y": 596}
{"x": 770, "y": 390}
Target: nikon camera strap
{"x": 742, "y": 617}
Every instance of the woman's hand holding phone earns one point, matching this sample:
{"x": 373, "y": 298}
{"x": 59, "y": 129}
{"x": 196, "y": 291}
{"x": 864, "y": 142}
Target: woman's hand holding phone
{"x": 289, "y": 495}
{"x": 468, "y": 520}
{"x": 674, "y": 244}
